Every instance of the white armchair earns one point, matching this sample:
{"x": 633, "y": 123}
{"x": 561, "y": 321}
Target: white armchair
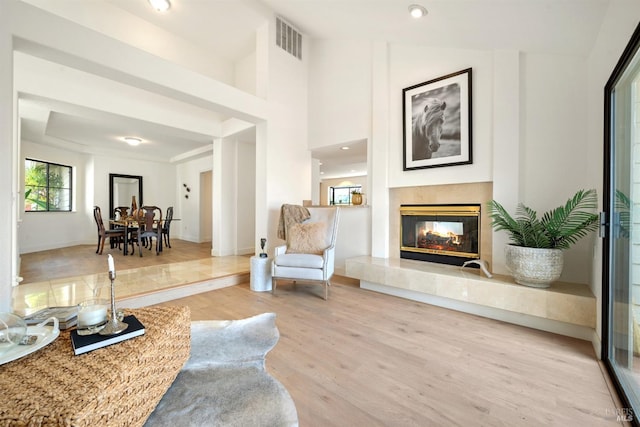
{"x": 309, "y": 253}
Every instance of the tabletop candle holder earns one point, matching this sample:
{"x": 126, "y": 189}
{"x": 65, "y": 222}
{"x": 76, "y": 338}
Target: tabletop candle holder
{"x": 114, "y": 325}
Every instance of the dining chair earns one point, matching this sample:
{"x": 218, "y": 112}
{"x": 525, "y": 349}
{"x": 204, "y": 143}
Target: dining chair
{"x": 147, "y": 228}
{"x": 103, "y": 233}
{"x": 166, "y": 226}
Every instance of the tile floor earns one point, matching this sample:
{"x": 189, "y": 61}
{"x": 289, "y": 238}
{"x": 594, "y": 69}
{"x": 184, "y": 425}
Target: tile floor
{"x": 31, "y": 297}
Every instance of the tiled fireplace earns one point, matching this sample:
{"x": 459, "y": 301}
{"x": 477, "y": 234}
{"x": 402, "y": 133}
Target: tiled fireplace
{"x": 477, "y": 194}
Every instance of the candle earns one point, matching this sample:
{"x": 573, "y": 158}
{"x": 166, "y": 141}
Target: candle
{"x": 112, "y": 267}
{"x": 91, "y": 315}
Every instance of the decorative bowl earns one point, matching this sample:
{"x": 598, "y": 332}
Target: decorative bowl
{"x": 12, "y": 330}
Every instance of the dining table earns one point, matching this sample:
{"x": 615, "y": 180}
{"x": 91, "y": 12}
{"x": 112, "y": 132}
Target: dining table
{"x": 130, "y": 224}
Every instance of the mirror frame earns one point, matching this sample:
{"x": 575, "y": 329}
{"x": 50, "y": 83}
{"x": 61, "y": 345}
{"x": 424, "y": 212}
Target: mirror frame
{"x": 112, "y": 177}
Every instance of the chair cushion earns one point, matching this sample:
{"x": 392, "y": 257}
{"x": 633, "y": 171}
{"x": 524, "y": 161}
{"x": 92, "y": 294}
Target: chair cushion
{"x": 306, "y": 238}
{"x": 299, "y": 260}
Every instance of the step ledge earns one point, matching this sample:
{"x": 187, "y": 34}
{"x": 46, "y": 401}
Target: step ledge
{"x": 571, "y": 304}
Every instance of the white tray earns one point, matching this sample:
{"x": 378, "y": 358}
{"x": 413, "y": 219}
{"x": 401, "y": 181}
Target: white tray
{"x": 46, "y": 335}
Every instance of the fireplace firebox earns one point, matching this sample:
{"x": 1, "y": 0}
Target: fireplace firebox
{"x": 447, "y": 234}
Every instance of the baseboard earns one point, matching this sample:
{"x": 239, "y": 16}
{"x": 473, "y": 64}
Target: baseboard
{"x": 58, "y": 245}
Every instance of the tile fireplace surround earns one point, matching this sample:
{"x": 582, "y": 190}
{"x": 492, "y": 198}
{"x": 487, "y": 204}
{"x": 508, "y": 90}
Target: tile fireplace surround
{"x": 564, "y": 308}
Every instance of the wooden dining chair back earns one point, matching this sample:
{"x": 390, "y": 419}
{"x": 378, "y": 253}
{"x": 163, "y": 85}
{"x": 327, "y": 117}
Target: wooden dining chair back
{"x": 115, "y": 236}
{"x": 166, "y": 226}
{"x": 149, "y": 226}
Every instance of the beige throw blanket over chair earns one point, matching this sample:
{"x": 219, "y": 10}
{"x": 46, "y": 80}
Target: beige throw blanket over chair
{"x": 309, "y": 253}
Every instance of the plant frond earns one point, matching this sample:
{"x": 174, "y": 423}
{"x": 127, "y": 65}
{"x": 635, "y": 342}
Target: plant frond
{"x": 501, "y": 220}
{"x": 559, "y": 228}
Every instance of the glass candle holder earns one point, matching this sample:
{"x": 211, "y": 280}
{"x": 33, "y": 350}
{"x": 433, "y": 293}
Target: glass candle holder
{"x": 12, "y": 330}
{"x": 92, "y": 316}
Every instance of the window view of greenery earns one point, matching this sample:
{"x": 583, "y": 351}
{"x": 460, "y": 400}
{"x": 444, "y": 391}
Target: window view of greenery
{"x": 47, "y": 187}
{"x": 342, "y": 195}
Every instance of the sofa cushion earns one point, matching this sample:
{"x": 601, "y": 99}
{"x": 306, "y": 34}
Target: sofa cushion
{"x": 306, "y": 238}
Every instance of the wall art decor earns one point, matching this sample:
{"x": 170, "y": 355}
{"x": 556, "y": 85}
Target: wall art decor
{"x": 437, "y": 122}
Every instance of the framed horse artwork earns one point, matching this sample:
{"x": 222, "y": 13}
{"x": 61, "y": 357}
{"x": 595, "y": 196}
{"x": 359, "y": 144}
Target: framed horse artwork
{"x": 437, "y": 122}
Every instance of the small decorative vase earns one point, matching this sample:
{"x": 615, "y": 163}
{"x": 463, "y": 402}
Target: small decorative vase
{"x": 534, "y": 267}
{"x": 356, "y": 198}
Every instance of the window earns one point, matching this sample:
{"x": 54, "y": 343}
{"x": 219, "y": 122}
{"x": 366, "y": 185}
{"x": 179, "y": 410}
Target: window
{"x": 342, "y": 195}
{"x": 47, "y": 187}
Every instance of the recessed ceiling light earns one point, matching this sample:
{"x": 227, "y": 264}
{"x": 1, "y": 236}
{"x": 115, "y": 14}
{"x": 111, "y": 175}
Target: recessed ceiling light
{"x": 417, "y": 11}
{"x": 133, "y": 141}
{"x": 344, "y": 148}
{"x": 160, "y": 5}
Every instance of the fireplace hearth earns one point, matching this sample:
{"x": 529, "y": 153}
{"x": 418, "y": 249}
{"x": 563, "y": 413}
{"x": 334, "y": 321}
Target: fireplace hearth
{"x": 446, "y": 234}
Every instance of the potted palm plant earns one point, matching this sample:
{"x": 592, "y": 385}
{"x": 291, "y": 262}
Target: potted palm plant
{"x": 535, "y": 256}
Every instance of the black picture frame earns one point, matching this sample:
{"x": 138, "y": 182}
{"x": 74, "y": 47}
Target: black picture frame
{"x": 438, "y": 109}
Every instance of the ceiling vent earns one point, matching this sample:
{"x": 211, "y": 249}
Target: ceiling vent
{"x": 288, "y": 38}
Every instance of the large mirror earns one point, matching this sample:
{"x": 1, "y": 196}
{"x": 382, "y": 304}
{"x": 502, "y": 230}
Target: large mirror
{"x": 122, "y": 188}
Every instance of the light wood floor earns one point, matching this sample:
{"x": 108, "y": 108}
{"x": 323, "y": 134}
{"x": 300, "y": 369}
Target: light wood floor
{"x": 367, "y": 359}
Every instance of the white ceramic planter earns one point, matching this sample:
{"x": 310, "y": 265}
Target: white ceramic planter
{"x": 534, "y": 267}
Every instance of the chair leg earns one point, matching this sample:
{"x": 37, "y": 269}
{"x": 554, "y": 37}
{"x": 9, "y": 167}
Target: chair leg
{"x": 102, "y": 244}
{"x": 273, "y": 286}
{"x": 98, "y": 247}
{"x": 326, "y": 290}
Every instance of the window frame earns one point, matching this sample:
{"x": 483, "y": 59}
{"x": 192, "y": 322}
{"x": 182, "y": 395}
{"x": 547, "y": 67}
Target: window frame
{"x": 69, "y": 189}
{"x": 350, "y": 189}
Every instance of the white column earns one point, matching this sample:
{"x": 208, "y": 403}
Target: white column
{"x": 378, "y": 152}
{"x": 8, "y": 251}
{"x": 506, "y": 143}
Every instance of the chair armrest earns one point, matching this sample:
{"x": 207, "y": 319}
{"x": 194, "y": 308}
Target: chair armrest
{"x": 329, "y": 262}
{"x": 279, "y": 250}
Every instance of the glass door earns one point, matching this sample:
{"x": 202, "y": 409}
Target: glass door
{"x": 621, "y": 247}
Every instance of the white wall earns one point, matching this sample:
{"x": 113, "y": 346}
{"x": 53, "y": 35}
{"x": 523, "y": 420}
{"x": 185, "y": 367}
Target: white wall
{"x": 117, "y": 23}
{"x": 8, "y": 170}
{"x": 245, "y": 74}
{"x": 340, "y": 95}
{"x": 246, "y": 172}
{"x": 354, "y": 237}
{"x": 188, "y": 210}
{"x": 283, "y": 160}
{"x": 411, "y": 65}
{"x": 554, "y": 112}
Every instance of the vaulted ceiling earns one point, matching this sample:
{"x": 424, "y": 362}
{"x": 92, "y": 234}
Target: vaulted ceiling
{"x": 226, "y": 29}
